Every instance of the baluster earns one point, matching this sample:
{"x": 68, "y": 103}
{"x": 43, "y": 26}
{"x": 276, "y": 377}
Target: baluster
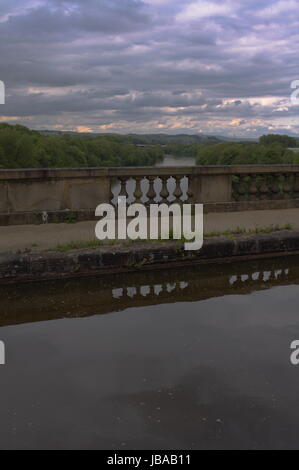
{"x": 264, "y": 188}
{"x": 242, "y": 187}
{"x": 110, "y": 191}
{"x": 253, "y": 190}
{"x": 288, "y": 185}
{"x": 164, "y": 191}
{"x": 123, "y": 187}
{"x": 138, "y": 191}
{"x": 235, "y": 187}
{"x": 189, "y": 193}
{"x": 296, "y": 185}
{"x": 275, "y": 186}
{"x": 151, "y": 191}
{"x": 178, "y": 190}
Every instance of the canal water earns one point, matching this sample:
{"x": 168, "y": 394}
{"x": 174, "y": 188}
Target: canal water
{"x": 177, "y": 359}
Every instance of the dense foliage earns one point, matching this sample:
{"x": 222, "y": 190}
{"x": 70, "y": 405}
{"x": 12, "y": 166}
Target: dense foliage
{"x": 167, "y": 139}
{"x": 181, "y": 150}
{"x": 245, "y": 154}
{"x": 21, "y": 147}
{"x": 284, "y": 140}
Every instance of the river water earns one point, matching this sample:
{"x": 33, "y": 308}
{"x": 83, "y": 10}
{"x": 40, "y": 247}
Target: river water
{"x": 185, "y": 358}
{"x": 170, "y": 160}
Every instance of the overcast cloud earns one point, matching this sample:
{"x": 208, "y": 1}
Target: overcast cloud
{"x": 150, "y": 66}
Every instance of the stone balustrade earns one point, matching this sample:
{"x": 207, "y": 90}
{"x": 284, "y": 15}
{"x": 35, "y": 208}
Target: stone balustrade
{"x": 41, "y": 195}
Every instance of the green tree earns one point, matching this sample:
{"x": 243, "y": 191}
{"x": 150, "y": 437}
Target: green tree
{"x": 284, "y": 140}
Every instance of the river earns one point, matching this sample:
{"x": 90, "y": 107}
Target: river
{"x": 171, "y": 160}
{"x": 185, "y": 358}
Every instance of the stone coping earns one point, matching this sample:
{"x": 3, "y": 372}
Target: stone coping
{"x": 61, "y": 216}
{"x": 54, "y": 265}
{"x": 64, "y": 173}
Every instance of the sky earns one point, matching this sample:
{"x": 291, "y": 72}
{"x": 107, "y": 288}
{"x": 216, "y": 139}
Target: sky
{"x": 151, "y": 66}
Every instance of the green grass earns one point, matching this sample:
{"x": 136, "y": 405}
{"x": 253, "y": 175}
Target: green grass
{"x": 81, "y": 245}
{"x": 70, "y": 218}
{"x": 230, "y": 234}
{"x": 244, "y": 231}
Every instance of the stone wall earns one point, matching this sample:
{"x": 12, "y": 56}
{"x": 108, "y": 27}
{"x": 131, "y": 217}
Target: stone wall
{"x": 45, "y": 195}
{"x": 142, "y": 256}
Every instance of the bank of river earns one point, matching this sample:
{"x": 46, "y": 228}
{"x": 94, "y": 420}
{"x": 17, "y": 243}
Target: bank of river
{"x": 181, "y": 359}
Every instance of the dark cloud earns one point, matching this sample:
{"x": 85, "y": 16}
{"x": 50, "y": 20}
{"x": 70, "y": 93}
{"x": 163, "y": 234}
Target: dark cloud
{"x": 151, "y": 65}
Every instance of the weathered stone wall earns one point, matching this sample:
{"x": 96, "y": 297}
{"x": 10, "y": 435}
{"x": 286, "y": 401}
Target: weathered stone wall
{"x": 52, "y": 190}
{"x": 30, "y": 266}
{"x": 43, "y": 195}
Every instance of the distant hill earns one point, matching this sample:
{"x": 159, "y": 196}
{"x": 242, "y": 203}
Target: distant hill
{"x": 168, "y": 139}
{"x": 148, "y": 139}
{"x": 237, "y": 139}
{"x": 159, "y": 139}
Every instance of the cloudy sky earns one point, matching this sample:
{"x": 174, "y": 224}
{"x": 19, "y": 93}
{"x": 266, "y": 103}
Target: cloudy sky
{"x": 143, "y": 66}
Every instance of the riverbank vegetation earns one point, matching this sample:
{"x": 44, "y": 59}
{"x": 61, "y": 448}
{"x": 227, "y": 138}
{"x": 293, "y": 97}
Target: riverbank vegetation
{"x": 271, "y": 149}
{"x": 21, "y": 147}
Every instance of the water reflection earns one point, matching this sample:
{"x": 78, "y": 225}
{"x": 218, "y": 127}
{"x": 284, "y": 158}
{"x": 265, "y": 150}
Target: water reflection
{"x": 171, "y": 160}
{"x": 155, "y": 289}
{"x": 182, "y": 359}
{"x": 109, "y": 293}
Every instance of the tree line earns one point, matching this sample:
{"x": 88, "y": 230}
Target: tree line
{"x": 271, "y": 149}
{"x": 21, "y": 147}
